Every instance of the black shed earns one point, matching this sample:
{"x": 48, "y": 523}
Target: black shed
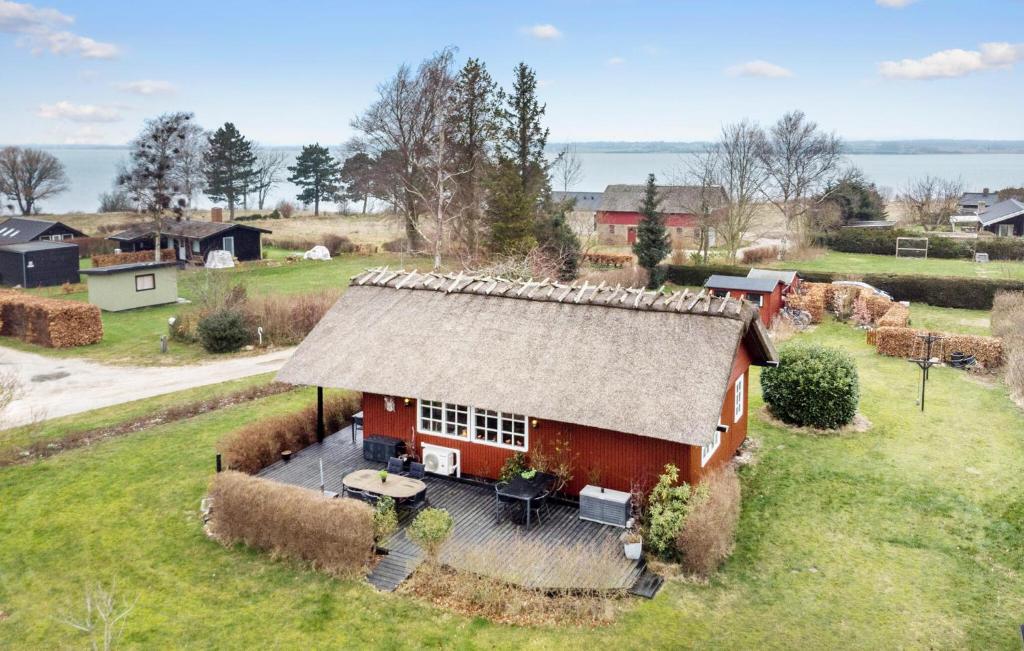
{"x": 38, "y": 264}
{"x": 193, "y": 240}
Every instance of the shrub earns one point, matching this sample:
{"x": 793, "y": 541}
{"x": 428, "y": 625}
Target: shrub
{"x": 709, "y": 532}
{"x": 286, "y": 208}
{"x": 667, "y": 508}
{"x": 334, "y": 535}
{"x": 430, "y": 530}
{"x": 185, "y": 328}
{"x": 338, "y": 244}
{"x": 514, "y": 464}
{"x": 224, "y": 331}
{"x": 942, "y": 291}
{"x": 286, "y": 319}
{"x": 396, "y": 246}
{"x": 759, "y": 254}
{"x": 259, "y": 444}
{"x": 385, "y": 518}
{"x": 116, "y": 202}
{"x": 813, "y": 385}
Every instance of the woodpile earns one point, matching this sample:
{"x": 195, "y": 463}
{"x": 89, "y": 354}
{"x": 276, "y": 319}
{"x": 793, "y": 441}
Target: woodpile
{"x": 111, "y": 259}
{"x": 904, "y": 342}
{"x": 609, "y": 259}
{"x": 813, "y": 298}
{"x": 49, "y": 322}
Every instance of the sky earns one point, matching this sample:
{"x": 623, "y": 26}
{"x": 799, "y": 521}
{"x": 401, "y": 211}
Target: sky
{"x": 290, "y": 73}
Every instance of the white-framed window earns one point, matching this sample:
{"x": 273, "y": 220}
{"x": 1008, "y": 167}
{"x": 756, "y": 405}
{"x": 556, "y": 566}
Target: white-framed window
{"x": 195, "y": 247}
{"x": 483, "y": 426}
{"x": 145, "y": 282}
{"x": 1005, "y": 230}
{"x": 756, "y": 299}
{"x": 737, "y": 400}
{"x": 55, "y": 238}
{"x": 228, "y": 244}
{"x": 707, "y": 451}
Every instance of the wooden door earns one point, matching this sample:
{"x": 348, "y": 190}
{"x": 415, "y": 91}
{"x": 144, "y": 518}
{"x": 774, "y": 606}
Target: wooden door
{"x": 631, "y": 234}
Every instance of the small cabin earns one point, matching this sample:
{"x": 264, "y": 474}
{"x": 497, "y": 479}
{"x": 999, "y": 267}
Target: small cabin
{"x": 20, "y": 230}
{"x": 765, "y": 293}
{"x": 193, "y": 240}
{"x": 38, "y": 264}
{"x": 128, "y": 286}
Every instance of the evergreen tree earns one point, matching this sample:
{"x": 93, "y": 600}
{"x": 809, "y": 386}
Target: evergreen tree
{"x": 856, "y": 198}
{"x": 510, "y": 211}
{"x": 229, "y": 164}
{"x": 317, "y": 173}
{"x": 357, "y": 175}
{"x": 474, "y": 131}
{"x": 652, "y": 241}
{"x": 560, "y": 243}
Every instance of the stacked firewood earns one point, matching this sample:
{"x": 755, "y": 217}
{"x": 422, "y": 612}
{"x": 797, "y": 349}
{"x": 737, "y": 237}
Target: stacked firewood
{"x": 48, "y": 321}
{"x": 110, "y": 259}
{"x": 905, "y": 342}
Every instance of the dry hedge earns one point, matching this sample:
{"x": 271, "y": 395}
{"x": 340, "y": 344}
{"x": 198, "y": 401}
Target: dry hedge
{"x": 334, "y": 535}
{"x": 1008, "y": 323}
{"x": 111, "y": 259}
{"x": 897, "y": 316}
{"x": 814, "y": 299}
{"x": 904, "y": 342}
{"x": 49, "y": 322}
{"x": 259, "y": 444}
{"x": 709, "y": 532}
{"x": 610, "y": 259}
{"x": 286, "y": 319}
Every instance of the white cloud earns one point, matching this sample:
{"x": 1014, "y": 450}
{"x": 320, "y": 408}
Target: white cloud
{"x": 78, "y": 112}
{"x": 545, "y": 32}
{"x": 41, "y": 30}
{"x": 149, "y": 87}
{"x": 758, "y": 68}
{"x": 954, "y": 63}
{"x": 894, "y": 4}
{"x": 616, "y": 61}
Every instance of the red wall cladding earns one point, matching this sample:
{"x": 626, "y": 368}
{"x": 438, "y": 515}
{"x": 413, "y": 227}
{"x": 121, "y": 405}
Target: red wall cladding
{"x": 672, "y": 220}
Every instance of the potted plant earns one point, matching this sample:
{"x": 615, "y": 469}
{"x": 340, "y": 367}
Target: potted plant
{"x": 383, "y": 474}
{"x": 632, "y": 544}
{"x": 528, "y": 474}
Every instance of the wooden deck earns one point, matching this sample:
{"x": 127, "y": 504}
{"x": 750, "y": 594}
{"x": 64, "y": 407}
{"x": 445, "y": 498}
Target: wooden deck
{"x": 561, "y": 552}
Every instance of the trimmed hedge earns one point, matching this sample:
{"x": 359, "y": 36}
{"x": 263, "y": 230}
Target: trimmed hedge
{"x": 111, "y": 259}
{"x": 812, "y": 385}
{"x": 904, "y": 342}
{"x": 333, "y": 535}
{"x": 49, "y": 322}
{"x": 856, "y": 240}
{"x": 940, "y": 291}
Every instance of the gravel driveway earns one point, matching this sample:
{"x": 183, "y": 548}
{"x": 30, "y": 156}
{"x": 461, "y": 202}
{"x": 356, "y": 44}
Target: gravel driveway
{"x": 58, "y": 387}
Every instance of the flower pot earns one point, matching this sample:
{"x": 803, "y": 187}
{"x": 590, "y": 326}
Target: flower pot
{"x": 633, "y": 551}
{"x": 286, "y": 455}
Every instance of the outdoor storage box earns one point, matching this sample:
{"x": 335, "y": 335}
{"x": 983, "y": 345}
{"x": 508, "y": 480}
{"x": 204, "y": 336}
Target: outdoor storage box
{"x": 381, "y": 448}
{"x": 607, "y": 507}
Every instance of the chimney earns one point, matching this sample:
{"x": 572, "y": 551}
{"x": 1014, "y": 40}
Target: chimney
{"x": 985, "y": 191}
{"x": 216, "y": 215}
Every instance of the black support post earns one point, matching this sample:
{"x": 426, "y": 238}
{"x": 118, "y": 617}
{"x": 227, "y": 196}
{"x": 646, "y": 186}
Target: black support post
{"x": 320, "y": 414}
{"x": 218, "y": 462}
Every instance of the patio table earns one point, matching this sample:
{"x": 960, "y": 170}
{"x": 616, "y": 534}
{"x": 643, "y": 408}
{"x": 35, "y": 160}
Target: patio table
{"x": 524, "y": 490}
{"x": 397, "y": 487}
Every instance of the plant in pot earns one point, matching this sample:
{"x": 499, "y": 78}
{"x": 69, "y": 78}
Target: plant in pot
{"x": 632, "y": 544}
{"x": 383, "y": 474}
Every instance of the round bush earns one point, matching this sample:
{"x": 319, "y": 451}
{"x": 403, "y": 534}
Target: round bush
{"x": 223, "y": 332}
{"x": 813, "y": 385}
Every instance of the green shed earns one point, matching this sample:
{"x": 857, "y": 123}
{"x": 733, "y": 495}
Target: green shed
{"x": 128, "y": 286}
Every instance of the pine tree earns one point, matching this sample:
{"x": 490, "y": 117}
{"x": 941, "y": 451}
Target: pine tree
{"x": 229, "y": 165}
{"x": 357, "y": 175}
{"x": 474, "y": 131}
{"x": 510, "y": 211}
{"x": 652, "y": 241}
{"x": 318, "y": 174}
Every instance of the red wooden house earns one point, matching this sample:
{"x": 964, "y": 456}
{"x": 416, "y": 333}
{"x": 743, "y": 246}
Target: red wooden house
{"x": 630, "y": 379}
{"x": 765, "y": 293}
{"x": 618, "y": 216}
{"x": 789, "y": 279}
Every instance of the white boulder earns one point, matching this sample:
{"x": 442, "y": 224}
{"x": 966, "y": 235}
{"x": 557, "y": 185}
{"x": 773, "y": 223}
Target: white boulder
{"x": 318, "y": 252}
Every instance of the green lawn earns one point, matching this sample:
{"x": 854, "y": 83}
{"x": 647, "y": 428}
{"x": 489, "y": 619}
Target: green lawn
{"x": 133, "y": 336}
{"x": 944, "y": 319}
{"x": 905, "y": 536}
{"x": 857, "y": 263}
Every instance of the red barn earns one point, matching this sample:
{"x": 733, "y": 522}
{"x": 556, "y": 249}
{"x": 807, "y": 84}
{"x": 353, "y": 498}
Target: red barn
{"x": 484, "y": 368}
{"x": 765, "y": 293}
{"x": 619, "y": 215}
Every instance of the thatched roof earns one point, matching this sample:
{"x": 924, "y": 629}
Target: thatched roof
{"x": 621, "y": 359}
{"x": 682, "y": 199}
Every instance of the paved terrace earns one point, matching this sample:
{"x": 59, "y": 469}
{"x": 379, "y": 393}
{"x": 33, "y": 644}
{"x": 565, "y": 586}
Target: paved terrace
{"x": 561, "y": 552}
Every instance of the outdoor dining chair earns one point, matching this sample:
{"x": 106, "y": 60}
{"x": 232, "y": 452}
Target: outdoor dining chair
{"x": 503, "y": 506}
{"x": 416, "y": 470}
{"x": 396, "y": 466}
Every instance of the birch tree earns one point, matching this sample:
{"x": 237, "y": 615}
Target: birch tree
{"x": 741, "y": 173}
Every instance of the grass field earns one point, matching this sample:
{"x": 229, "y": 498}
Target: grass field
{"x": 905, "y": 536}
{"x": 133, "y": 336}
{"x": 862, "y": 263}
{"x": 941, "y": 319}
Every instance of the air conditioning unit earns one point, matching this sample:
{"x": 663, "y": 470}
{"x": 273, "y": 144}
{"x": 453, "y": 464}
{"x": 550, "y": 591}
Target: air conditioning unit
{"x": 441, "y": 460}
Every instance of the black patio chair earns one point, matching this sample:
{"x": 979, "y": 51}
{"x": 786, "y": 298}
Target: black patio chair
{"x": 396, "y": 466}
{"x": 362, "y": 496}
{"x": 503, "y": 506}
{"x": 539, "y": 508}
{"x": 416, "y": 470}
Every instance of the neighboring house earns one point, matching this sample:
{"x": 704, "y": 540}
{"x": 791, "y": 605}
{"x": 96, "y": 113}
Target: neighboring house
{"x": 18, "y": 230}
{"x": 973, "y": 202}
{"x": 619, "y": 215}
{"x": 193, "y": 240}
{"x": 765, "y": 293}
{"x": 584, "y": 201}
{"x": 38, "y": 264}
{"x": 128, "y": 286}
{"x": 1005, "y": 218}
{"x": 789, "y": 279}
{"x": 486, "y": 368}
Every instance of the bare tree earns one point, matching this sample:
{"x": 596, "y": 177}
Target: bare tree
{"x": 29, "y": 175}
{"x": 801, "y": 161}
{"x": 104, "y": 618}
{"x": 702, "y": 171}
{"x": 270, "y": 164}
{"x": 188, "y": 173}
{"x": 931, "y": 200}
{"x": 568, "y": 168}
{"x": 740, "y": 171}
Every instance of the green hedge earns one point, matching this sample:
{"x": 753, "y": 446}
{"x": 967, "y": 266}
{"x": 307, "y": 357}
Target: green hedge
{"x": 883, "y": 242}
{"x": 940, "y": 291}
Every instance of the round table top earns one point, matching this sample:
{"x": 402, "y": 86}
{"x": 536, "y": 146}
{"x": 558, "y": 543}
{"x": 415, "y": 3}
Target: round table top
{"x": 396, "y": 486}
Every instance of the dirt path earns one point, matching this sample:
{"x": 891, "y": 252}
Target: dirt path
{"x": 58, "y": 387}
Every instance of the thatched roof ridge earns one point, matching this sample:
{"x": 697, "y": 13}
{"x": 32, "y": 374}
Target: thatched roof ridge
{"x": 615, "y": 358}
{"x": 684, "y": 199}
{"x": 630, "y": 298}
